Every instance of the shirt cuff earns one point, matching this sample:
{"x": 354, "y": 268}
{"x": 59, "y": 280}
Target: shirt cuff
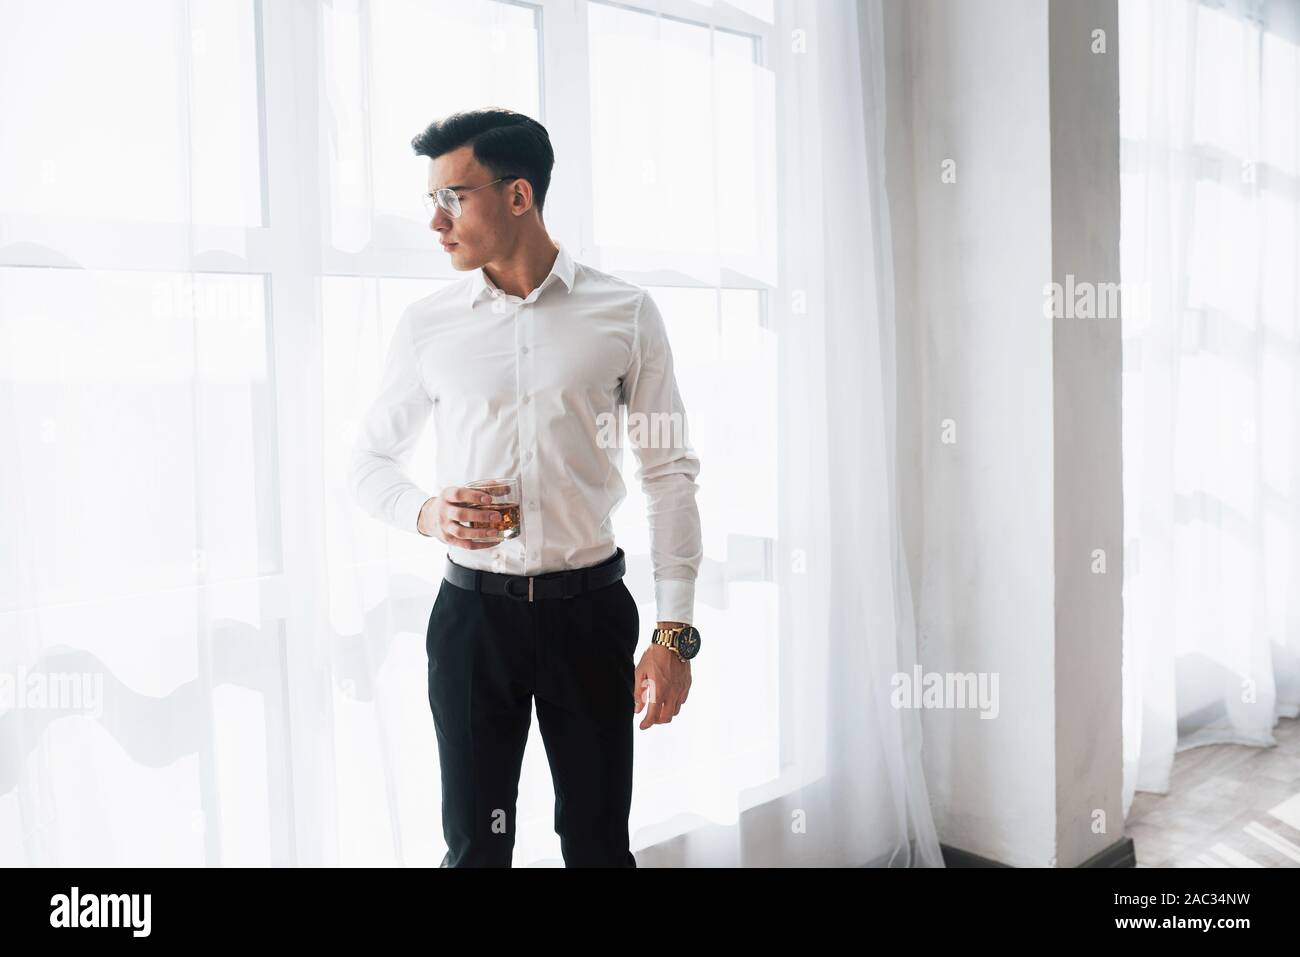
{"x": 675, "y": 600}
{"x": 406, "y": 513}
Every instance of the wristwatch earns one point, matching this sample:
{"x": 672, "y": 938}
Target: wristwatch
{"x": 684, "y": 640}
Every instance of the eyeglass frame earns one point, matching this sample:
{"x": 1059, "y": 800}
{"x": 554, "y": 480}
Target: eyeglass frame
{"x": 431, "y": 199}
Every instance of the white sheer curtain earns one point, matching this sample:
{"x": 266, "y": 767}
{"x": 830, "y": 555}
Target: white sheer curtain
{"x": 205, "y": 243}
{"x": 1210, "y": 104}
{"x": 848, "y": 602}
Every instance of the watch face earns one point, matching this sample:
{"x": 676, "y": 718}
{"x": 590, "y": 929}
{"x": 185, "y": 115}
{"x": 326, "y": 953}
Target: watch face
{"x": 688, "y": 642}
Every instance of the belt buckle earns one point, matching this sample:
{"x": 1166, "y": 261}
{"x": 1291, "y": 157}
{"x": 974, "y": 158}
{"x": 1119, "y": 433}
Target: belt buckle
{"x": 511, "y": 592}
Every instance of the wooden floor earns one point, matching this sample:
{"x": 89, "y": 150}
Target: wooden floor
{"x": 1228, "y": 805}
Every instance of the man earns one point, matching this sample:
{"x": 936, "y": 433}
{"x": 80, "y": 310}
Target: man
{"x": 523, "y": 365}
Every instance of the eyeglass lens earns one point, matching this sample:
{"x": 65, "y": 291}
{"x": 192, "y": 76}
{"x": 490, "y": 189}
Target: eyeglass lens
{"x": 444, "y": 199}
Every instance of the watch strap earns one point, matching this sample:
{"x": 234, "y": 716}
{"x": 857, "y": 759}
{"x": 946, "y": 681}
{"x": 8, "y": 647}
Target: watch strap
{"x": 668, "y": 638}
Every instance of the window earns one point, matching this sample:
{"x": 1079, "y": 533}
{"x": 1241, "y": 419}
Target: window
{"x": 202, "y": 261}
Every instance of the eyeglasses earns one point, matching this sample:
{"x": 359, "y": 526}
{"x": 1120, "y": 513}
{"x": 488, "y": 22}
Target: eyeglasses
{"x": 447, "y": 198}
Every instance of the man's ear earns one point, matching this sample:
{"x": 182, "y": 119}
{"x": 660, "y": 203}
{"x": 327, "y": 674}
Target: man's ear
{"x": 521, "y": 197}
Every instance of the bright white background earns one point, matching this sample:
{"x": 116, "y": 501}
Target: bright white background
{"x": 210, "y": 222}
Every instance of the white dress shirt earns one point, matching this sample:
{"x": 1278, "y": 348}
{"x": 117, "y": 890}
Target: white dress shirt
{"x": 528, "y": 388}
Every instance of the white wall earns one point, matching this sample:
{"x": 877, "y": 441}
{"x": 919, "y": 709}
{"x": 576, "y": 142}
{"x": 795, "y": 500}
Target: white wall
{"x": 986, "y": 517}
{"x": 1087, "y": 366}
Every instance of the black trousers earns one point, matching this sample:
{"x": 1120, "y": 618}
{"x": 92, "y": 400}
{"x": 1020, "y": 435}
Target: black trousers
{"x": 490, "y": 656}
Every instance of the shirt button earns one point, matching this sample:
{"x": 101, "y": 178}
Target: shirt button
{"x": 527, "y": 398}
{"x": 524, "y": 350}
{"x": 528, "y": 455}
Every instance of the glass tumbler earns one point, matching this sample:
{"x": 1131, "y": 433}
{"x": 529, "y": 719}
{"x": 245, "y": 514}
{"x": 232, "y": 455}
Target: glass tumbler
{"x": 505, "y": 499}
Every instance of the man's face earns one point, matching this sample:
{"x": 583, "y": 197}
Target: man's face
{"x": 485, "y": 221}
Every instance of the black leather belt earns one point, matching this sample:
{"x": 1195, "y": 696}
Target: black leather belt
{"x": 561, "y": 584}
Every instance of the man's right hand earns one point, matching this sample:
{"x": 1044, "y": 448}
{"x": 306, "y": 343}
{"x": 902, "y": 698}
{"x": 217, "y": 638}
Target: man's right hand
{"x": 440, "y": 518}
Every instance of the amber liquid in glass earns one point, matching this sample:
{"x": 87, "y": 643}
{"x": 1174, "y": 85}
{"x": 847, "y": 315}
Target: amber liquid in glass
{"x": 509, "y": 527}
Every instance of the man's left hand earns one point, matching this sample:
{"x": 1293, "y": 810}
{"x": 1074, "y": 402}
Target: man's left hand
{"x": 662, "y": 682}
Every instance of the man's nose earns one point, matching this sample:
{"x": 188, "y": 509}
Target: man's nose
{"x": 441, "y": 220}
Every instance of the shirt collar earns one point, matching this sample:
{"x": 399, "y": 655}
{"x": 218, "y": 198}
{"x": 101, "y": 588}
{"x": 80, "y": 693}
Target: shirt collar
{"x": 480, "y": 284}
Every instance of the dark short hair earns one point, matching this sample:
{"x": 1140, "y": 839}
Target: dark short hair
{"x": 504, "y": 142}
